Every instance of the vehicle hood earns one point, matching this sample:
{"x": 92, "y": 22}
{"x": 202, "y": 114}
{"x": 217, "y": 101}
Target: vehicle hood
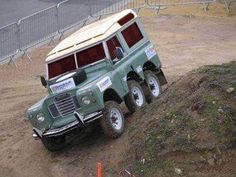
{"x": 90, "y": 80}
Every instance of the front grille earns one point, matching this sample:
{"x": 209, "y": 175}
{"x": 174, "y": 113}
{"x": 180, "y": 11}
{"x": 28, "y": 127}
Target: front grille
{"x": 53, "y": 110}
{"x": 64, "y": 105}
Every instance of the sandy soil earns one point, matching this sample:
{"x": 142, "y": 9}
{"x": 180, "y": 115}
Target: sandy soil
{"x": 184, "y": 42}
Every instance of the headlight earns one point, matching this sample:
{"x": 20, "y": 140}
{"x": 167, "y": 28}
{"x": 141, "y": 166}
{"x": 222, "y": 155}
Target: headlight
{"x": 30, "y": 116}
{"x": 40, "y": 117}
{"x": 86, "y": 100}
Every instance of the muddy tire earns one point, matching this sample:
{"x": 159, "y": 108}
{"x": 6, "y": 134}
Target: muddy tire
{"x": 135, "y": 98}
{"x": 152, "y": 86}
{"x": 54, "y": 143}
{"x": 113, "y": 120}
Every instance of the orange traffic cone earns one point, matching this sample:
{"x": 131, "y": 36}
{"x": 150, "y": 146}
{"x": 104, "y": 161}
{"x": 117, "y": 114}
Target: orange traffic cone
{"x": 99, "y": 169}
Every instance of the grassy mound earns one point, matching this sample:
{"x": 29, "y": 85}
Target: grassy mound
{"x": 191, "y": 130}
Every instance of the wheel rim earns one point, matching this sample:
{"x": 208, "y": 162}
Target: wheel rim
{"x": 154, "y": 86}
{"x": 116, "y": 118}
{"x": 138, "y": 96}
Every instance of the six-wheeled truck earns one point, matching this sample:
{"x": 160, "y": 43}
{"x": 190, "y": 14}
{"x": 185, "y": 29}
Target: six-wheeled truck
{"x": 90, "y": 73}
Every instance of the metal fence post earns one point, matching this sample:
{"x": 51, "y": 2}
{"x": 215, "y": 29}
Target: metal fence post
{"x": 228, "y": 4}
{"x": 90, "y": 8}
{"x": 61, "y": 34}
{"x": 206, "y": 6}
{"x": 57, "y": 24}
{"x": 18, "y": 44}
{"x": 155, "y": 7}
{"x": 18, "y": 34}
{"x": 57, "y": 17}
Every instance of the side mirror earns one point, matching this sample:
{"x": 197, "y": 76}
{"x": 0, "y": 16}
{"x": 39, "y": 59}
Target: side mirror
{"x": 119, "y": 53}
{"x": 43, "y": 81}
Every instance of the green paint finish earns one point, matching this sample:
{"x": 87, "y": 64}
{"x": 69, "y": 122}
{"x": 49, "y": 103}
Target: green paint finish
{"x": 110, "y": 76}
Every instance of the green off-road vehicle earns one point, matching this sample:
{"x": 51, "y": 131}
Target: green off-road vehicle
{"x": 90, "y": 73}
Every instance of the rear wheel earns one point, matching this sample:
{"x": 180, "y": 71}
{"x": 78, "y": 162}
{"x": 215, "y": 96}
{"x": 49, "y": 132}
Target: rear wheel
{"x": 113, "y": 120}
{"x": 135, "y": 98}
{"x": 54, "y": 143}
{"x": 152, "y": 88}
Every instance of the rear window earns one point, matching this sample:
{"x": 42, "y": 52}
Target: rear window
{"x": 61, "y": 66}
{"x": 132, "y": 35}
{"x": 90, "y": 55}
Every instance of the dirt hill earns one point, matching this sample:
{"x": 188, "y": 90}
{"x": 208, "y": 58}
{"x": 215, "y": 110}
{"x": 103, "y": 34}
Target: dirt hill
{"x": 191, "y": 130}
{"x": 184, "y": 42}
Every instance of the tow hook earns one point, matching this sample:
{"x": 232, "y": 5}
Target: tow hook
{"x": 79, "y": 117}
{"x": 35, "y": 136}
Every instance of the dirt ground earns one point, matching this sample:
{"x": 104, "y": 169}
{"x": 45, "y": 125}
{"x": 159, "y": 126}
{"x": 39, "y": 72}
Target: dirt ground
{"x": 184, "y": 42}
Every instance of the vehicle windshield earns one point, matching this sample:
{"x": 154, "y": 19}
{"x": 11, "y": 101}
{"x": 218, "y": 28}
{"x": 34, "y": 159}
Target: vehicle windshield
{"x": 90, "y": 55}
{"x": 61, "y": 66}
{"x": 83, "y": 58}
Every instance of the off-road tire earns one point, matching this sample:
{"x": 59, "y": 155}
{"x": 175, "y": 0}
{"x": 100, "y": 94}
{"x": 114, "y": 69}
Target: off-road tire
{"x": 130, "y": 100}
{"x": 106, "y": 120}
{"x": 148, "y": 91}
{"x": 54, "y": 143}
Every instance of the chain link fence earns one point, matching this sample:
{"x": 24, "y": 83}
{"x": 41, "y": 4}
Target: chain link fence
{"x": 52, "y": 22}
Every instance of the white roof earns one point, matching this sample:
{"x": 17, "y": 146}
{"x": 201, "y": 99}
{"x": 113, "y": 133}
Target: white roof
{"x": 89, "y": 34}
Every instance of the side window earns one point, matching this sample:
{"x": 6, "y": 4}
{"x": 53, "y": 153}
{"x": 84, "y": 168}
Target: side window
{"x": 112, "y": 44}
{"x": 90, "y": 55}
{"x": 132, "y": 35}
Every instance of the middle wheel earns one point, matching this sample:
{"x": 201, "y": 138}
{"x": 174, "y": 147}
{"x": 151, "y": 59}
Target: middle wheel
{"x": 135, "y": 98}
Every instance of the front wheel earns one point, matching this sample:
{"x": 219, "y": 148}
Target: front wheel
{"x": 135, "y": 98}
{"x": 113, "y": 120}
{"x": 54, "y": 143}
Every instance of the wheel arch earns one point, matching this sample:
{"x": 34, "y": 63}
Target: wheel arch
{"x": 111, "y": 95}
{"x": 149, "y": 66}
{"x": 161, "y": 77}
{"x": 158, "y": 71}
{"x": 132, "y": 75}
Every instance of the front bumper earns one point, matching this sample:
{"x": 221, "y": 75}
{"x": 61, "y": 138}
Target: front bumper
{"x": 80, "y": 121}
